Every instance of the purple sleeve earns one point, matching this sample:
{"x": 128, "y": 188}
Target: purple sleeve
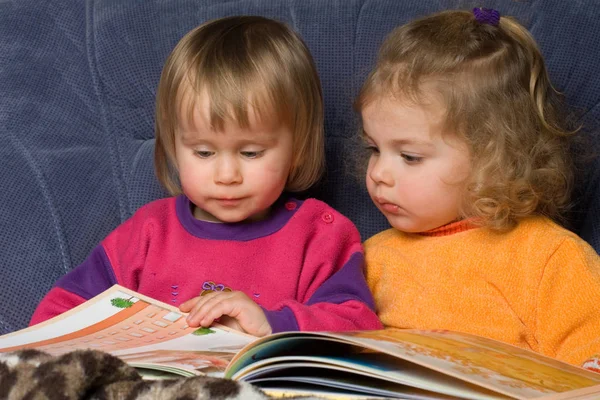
{"x": 282, "y": 320}
{"x": 343, "y": 302}
{"x": 91, "y": 277}
{"x": 347, "y": 284}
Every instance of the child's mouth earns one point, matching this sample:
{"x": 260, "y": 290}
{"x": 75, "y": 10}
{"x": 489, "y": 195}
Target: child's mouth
{"x": 389, "y": 207}
{"x": 229, "y": 202}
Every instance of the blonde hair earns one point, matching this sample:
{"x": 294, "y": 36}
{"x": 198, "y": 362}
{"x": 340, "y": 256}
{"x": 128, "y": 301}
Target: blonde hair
{"x": 243, "y": 62}
{"x": 499, "y": 100}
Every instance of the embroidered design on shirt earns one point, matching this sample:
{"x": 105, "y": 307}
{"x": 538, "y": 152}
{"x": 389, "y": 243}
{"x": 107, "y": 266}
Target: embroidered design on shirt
{"x": 210, "y": 286}
{"x": 174, "y": 293}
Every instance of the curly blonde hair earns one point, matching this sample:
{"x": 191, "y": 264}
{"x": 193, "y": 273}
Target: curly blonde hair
{"x": 239, "y": 63}
{"x": 498, "y": 99}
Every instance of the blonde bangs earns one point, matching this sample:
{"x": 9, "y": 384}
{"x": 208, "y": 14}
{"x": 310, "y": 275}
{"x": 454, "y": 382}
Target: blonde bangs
{"x": 234, "y": 102}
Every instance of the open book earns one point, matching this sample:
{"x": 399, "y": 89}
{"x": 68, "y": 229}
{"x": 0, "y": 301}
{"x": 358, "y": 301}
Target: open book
{"x": 408, "y": 364}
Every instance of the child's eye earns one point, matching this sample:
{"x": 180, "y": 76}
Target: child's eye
{"x": 410, "y": 159}
{"x": 253, "y": 154}
{"x": 204, "y": 153}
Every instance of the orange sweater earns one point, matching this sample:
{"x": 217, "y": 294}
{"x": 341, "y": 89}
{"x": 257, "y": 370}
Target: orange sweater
{"x": 537, "y": 286}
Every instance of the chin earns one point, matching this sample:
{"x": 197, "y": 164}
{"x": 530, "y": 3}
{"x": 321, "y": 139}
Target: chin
{"x": 407, "y": 229}
{"x": 407, "y": 226}
{"x": 232, "y": 216}
{"x": 231, "y": 219}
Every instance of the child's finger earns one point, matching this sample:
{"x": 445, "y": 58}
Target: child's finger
{"x": 194, "y": 306}
{"x": 202, "y": 309}
{"x": 187, "y": 306}
{"x": 230, "y": 322}
{"x": 213, "y": 308}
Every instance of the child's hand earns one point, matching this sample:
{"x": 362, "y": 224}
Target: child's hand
{"x": 245, "y": 314}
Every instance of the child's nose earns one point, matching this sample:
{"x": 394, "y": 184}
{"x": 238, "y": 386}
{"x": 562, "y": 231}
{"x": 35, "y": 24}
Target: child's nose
{"x": 228, "y": 171}
{"x": 380, "y": 173}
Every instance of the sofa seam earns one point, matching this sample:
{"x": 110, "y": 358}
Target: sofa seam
{"x": 113, "y": 148}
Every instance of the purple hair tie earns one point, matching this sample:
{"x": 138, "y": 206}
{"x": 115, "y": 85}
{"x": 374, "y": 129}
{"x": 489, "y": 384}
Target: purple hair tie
{"x": 486, "y": 16}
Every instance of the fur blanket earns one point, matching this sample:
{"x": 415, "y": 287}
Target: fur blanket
{"x": 95, "y": 375}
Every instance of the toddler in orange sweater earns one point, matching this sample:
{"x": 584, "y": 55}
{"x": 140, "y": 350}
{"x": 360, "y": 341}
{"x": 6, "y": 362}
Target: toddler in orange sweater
{"x": 469, "y": 162}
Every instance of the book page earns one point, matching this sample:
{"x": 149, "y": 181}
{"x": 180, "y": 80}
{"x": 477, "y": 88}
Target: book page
{"x": 286, "y": 359}
{"x": 486, "y": 362}
{"x": 375, "y": 377}
{"x": 499, "y": 367}
{"x": 133, "y": 327}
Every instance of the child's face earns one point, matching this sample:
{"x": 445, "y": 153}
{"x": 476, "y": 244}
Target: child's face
{"x": 415, "y": 174}
{"x": 233, "y": 175}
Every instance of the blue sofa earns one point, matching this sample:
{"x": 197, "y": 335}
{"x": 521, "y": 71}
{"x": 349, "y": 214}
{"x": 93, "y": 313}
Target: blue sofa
{"x": 77, "y": 87}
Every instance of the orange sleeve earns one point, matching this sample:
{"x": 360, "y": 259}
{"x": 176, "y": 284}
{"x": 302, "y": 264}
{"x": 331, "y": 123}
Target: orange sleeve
{"x": 568, "y": 317}
{"x": 373, "y": 269}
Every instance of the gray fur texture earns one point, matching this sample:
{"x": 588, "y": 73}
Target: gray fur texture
{"x": 94, "y": 375}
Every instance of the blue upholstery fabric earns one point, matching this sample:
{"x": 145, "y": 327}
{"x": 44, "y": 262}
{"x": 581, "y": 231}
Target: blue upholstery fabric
{"x": 77, "y": 86}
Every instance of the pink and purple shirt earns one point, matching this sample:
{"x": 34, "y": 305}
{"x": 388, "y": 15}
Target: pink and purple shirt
{"x": 303, "y": 265}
